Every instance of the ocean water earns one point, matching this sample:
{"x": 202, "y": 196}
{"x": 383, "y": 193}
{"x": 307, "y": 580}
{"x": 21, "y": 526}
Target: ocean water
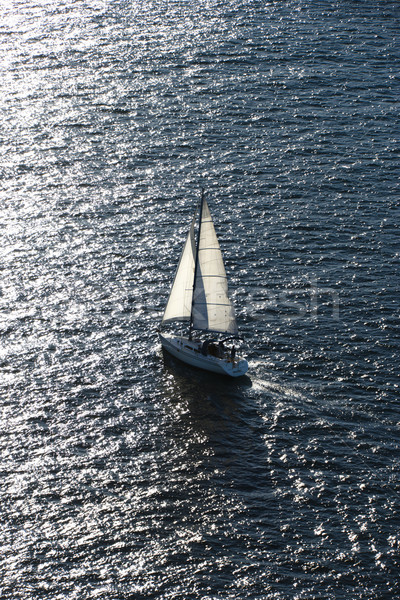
{"x": 126, "y": 475}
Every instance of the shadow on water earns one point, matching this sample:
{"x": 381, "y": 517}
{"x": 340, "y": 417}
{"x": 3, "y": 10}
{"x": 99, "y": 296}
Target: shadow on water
{"x": 185, "y": 371}
{"x": 216, "y": 432}
{"x": 206, "y": 394}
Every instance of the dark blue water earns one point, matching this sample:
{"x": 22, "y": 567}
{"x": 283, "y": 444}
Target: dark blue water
{"x": 128, "y": 476}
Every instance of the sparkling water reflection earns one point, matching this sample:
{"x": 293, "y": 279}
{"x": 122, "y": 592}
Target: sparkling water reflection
{"x": 124, "y": 473}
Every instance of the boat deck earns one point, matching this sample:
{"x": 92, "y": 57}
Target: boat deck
{"x": 190, "y": 352}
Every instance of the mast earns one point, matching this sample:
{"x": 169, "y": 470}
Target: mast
{"x": 196, "y": 261}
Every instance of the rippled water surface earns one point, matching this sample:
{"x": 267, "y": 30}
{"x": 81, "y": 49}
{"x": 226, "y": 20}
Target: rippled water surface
{"x": 125, "y": 475}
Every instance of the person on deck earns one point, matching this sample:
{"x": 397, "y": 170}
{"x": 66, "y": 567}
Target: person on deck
{"x": 204, "y": 348}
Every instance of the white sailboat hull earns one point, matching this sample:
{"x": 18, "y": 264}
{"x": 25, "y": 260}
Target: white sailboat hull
{"x": 189, "y": 351}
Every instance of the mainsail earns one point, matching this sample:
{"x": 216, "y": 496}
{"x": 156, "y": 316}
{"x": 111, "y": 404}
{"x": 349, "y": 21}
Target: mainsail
{"x": 200, "y": 289}
{"x": 211, "y": 309}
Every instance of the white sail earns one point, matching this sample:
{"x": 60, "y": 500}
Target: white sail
{"x": 179, "y": 305}
{"x": 211, "y": 309}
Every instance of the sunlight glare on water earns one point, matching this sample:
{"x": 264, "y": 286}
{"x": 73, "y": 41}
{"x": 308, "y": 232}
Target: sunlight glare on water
{"x": 125, "y": 474}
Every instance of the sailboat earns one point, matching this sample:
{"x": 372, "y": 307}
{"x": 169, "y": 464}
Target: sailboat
{"x": 199, "y": 296}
